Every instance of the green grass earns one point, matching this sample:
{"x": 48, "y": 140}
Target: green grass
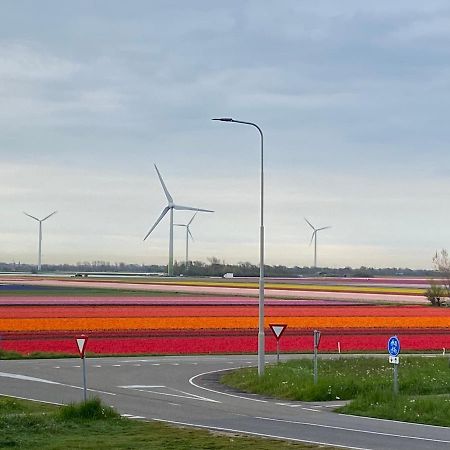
{"x": 424, "y": 385}
{"x": 10, "y": 354}
{"x": 28, "y": 425}
{"x": 429, "y": 409}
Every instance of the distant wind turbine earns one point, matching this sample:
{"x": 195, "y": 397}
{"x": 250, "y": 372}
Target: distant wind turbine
{"x": 188, "y": 233}
{"x": 40, "y": 235}
{"x": 314, "y": 237}
{"x": 170, "y": 207}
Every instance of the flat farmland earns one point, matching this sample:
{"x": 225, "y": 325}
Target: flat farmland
{"x": 123, "y": 316}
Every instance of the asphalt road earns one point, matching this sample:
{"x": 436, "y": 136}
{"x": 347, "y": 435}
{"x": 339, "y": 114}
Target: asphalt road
{"x": 183, "y": 390}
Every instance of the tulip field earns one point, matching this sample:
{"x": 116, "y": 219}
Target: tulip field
{"x": 32, "y": 321}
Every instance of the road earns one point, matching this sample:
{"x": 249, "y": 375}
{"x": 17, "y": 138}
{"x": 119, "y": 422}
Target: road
{"x": 184, "y": 390}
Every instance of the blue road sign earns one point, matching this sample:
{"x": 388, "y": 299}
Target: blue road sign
{"x": 393, "y": 346}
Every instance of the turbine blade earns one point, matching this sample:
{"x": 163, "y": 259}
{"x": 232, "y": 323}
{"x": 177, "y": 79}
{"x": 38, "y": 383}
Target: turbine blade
{"x": 179, "y": 225}
{"x": 190, "y": 234}
{"x": 164, "y": 212}
{"x": 323, "y": 228}
{"x": 193, "y": 217}
{"x": 312, "y": 237}
{"x": 168, "y": 196}
{"x": 190, "y": 208}
{"x": 309, "y": 223}
{"x": 29, "y": 215}
{"x": 50, "y": 215}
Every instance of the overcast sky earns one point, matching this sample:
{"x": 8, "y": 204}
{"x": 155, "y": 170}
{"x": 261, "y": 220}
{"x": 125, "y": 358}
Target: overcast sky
{"x": 353, "y": 98}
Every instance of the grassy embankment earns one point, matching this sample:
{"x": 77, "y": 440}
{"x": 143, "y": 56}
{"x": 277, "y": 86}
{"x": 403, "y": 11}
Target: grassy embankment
{"x": 28, "y": 425}
{"x": 424, "y": 385}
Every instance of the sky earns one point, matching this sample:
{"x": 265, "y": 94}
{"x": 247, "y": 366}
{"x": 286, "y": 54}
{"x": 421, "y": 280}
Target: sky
{"x": 353, "y": 99}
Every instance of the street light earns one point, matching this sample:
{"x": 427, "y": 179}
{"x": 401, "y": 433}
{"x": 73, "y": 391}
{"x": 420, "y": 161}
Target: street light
{"x": 261, "y": 250}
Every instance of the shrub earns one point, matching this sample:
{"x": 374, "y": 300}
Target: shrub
{"x": 92, "y": 409}
{"x": 434, "y": 294}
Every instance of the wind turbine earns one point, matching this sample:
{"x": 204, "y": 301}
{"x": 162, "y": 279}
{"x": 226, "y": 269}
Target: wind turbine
{"x": 314, "y": 236}
{"x": 188, "y": 233}
{"x": 170, "y": 207}
{"x": 40, "y": 235}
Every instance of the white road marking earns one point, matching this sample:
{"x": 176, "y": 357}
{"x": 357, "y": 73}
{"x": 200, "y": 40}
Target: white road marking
{"x": 26, "y": 378}
{"x": 251, "y": 433}
{"x": 96, "y": 365}
{"x": 180, "y": 394}
{"x": 191, "y": 381}
{"x": 132, "y": 416}
{"x": 41, "y": 380}
{"x": 76, "y": 366}
{"x": 116, "y": 365}
{"x": 140, "y": 386}
{"x": 396, "y": 421}
{"x": 402, "y": 436}
{"x": 156, "y": 364}
{"x": 293, "y": 405}
{"x": 56, "y": 367}
{"x": 32, "y": 399}
{"x": 136, "y": 365}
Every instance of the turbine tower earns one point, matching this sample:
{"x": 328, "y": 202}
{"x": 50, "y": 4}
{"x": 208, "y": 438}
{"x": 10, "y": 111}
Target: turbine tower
{"x": 188, "y": 233}
{"x": 40, "y": 235}
{"x": 170, "y": 207}
{"x": 314, "y": 236}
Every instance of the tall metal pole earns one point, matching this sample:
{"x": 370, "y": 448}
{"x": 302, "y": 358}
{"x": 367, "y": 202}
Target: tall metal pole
{"x": 187, "y": 248}
{"x": 40, "y": 246}
{"x": 170, "y": 266}
{"x": 315, "y": 249}
{"x": 261, "y": 353}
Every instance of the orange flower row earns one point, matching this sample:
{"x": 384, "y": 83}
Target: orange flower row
{"x": 171, "y": 323}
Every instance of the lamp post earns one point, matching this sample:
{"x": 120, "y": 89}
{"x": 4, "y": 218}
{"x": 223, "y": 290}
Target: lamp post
{"x": 261, "y": 250}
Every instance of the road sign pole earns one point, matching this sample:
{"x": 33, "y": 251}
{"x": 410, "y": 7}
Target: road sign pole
{"x": 84, "y": 379}
{"x": 81, "y": 344}
{"x": 315, "y": 366}
{"x": 316, "y": 346}
{"x": 394, "y": 350}
{"x": 278, "y": 330}
{"x": 395, "y": 379}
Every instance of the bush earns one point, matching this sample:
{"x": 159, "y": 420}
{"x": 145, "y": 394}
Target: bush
{"x": 435, "y": 294}
{"x": 92, "y": 409}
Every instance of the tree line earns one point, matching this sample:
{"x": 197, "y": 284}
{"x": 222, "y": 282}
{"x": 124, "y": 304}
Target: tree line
{"x": 217, "y": 268}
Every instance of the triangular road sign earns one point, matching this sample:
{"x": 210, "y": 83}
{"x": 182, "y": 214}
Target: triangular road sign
{"x": 81, "y": 344}
{"x": 277, "y": 329}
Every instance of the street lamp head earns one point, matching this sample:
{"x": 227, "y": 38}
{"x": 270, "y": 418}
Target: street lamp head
{"x": 225, "y": 119}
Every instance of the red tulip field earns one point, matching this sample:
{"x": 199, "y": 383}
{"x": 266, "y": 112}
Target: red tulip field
{"x": 196, "y": 324}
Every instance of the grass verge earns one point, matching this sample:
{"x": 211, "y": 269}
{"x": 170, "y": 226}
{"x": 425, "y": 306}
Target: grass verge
{"x": 424, "y": 385}
{"x": 28, "y": 425}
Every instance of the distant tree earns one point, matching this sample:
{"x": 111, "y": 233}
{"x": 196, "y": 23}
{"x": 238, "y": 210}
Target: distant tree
{"x": 437, "y": 293}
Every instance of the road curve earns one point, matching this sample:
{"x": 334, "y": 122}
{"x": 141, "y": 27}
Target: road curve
{"x": 184, "y": 390}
